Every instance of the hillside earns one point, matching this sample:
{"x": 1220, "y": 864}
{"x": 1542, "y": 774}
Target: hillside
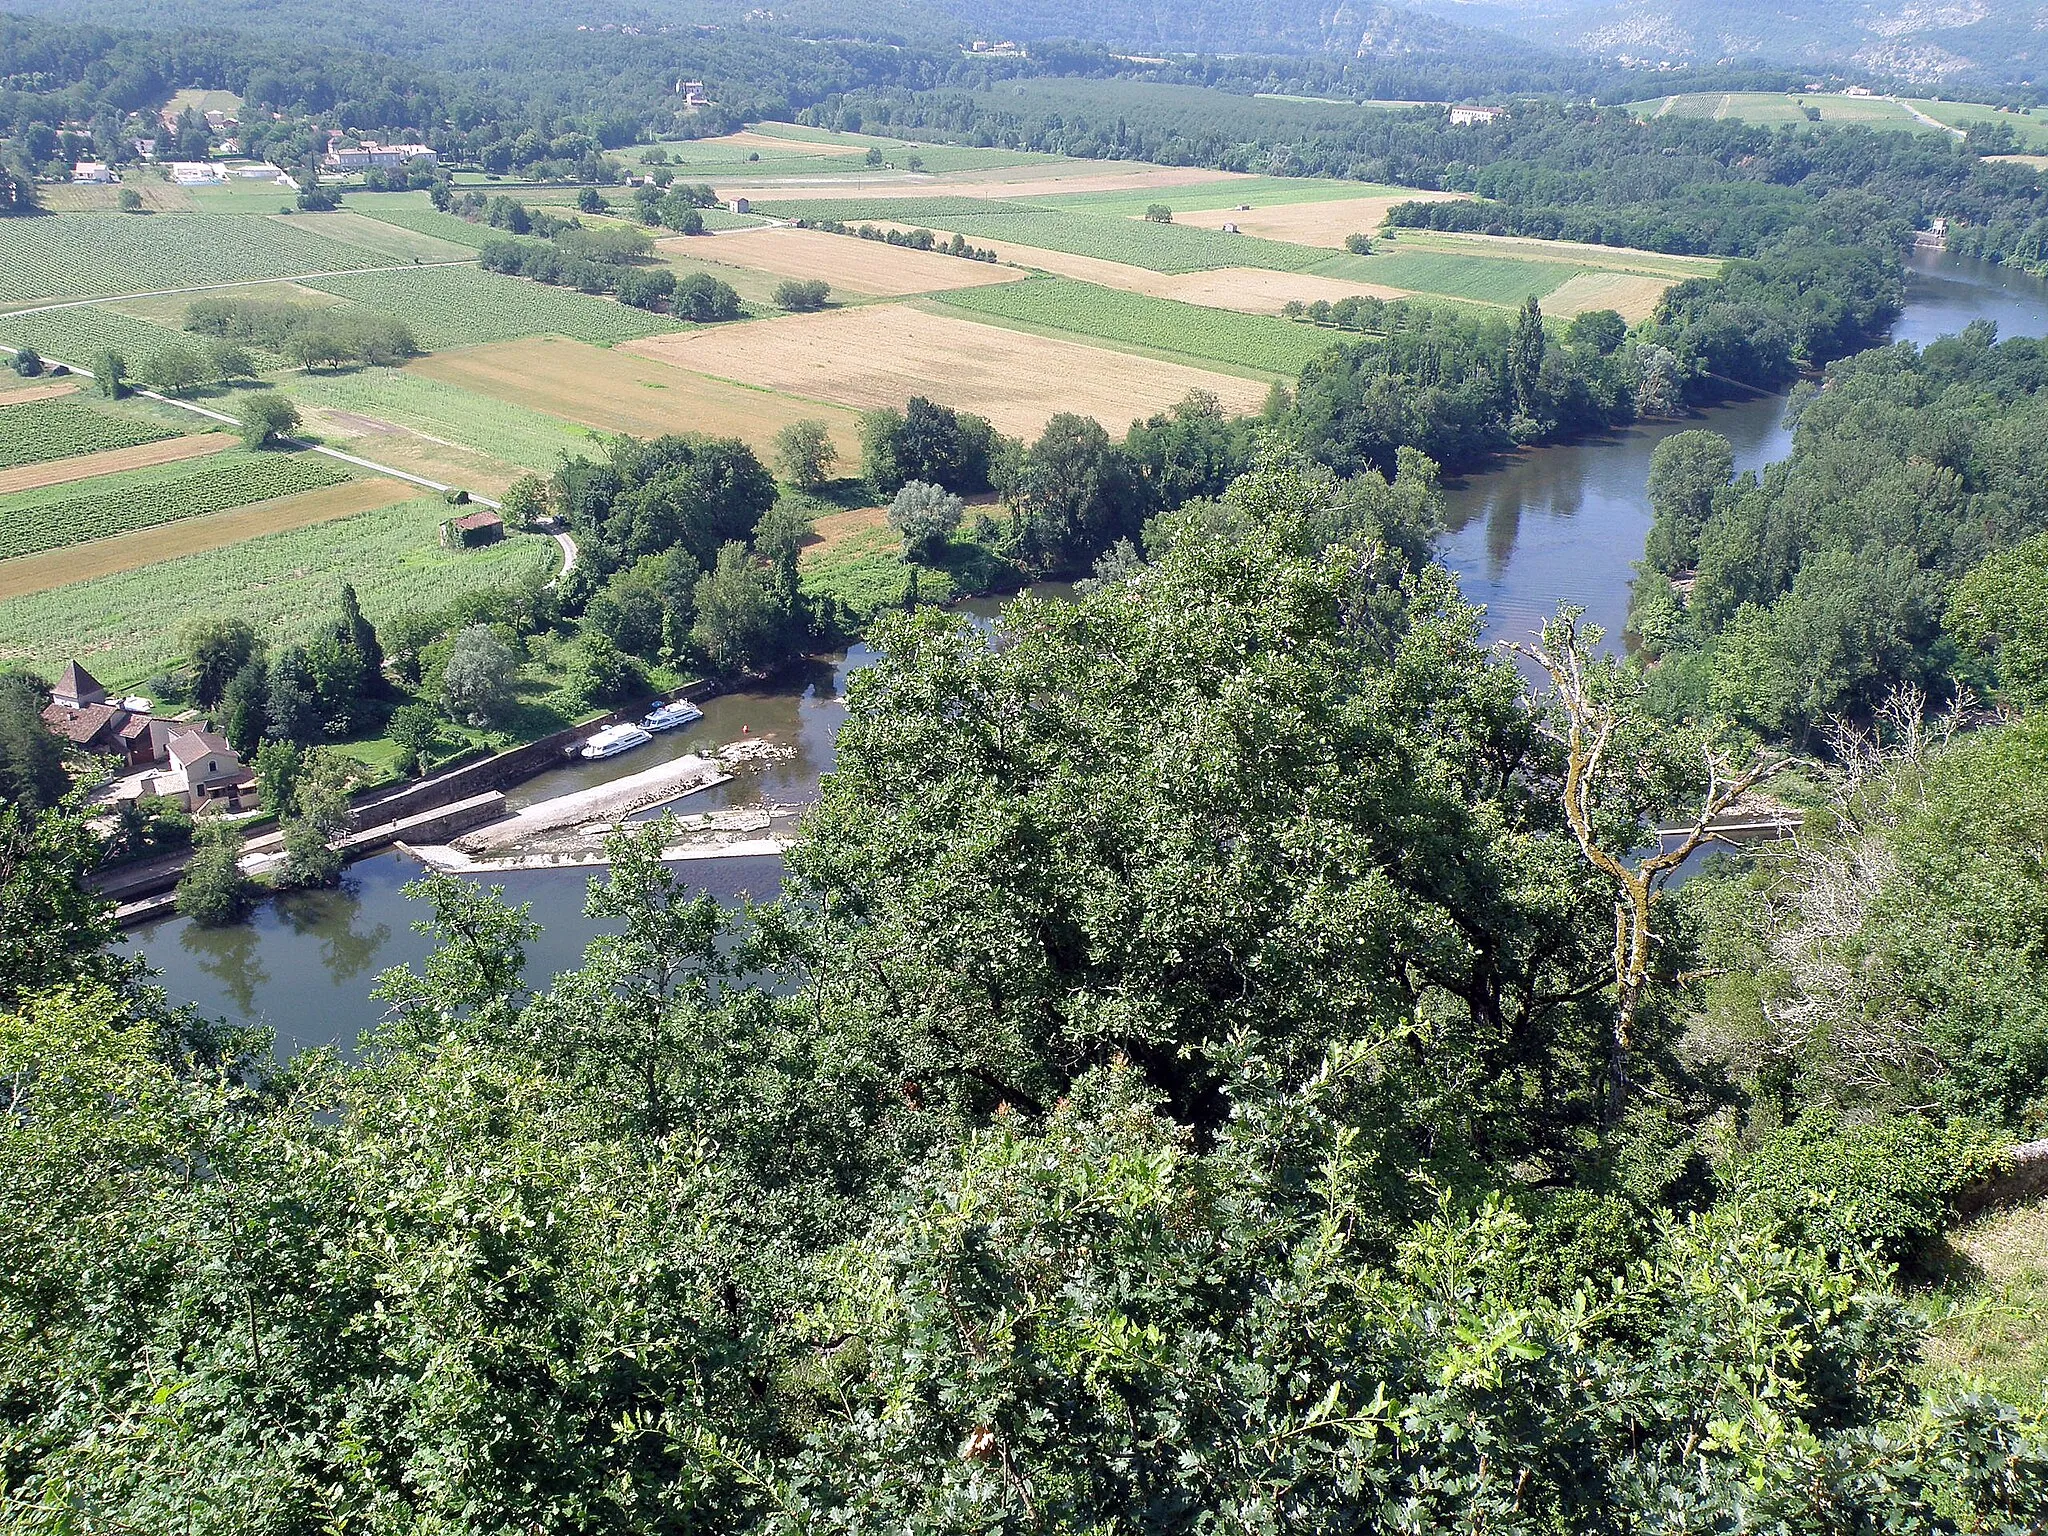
{"x": 1997, "y": 40}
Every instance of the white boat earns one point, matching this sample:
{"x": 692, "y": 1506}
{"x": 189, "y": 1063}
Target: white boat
{"x": 669, "y": 717}
{"x": 611, "y": 741}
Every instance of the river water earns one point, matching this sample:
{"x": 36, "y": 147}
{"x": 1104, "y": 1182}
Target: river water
{"x": 1549, "y": 525}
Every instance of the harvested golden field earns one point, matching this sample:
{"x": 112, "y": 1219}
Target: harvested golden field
{"x": 1256, "y": 291}
{"x": 18, "y": 391}
{"x": 767, "y": 143}
{"x": 852, "y": 265}
{"x": 170, "y": 450}
{"x": 616, "y": 392}
{"x": 1633, "y": 295}
{"x": 882, "y": 354}
{"x": 195, "y": 535}
{"x": 1327, "y": 222}
{"x": 169, "y": 308}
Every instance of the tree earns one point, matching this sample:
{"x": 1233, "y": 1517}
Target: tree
{"x": 1525, "y": 357}
{"x": 175, "y": 368}
{"x": 28, "y": 362}
{"x": 216, "y": 649}
{"x": 601, "y": 673}
{"x": 318, "y": 817}
{"x": 231, "y": 360}
{"x": 1159, "y": 213}
{"x": 340, "y": 679}
{"x": 704, "y": 299}
{"x": 741, "y": 625}
{"x": 32, "y": 774}
{"x": 1687, "y": 471}
{"x": 110, "y": 375}
{"x": 291, "y": 702}
{"x": 1078, "y": 496}
{"x": 265, "y": 417}
{"x": 476, "y": 683}
{"x": 362, "y": 635}
{"x": 245, "y": 706}
{"x": 926, "y": 516}
{"x": 1659, "y": 386}
{"x": 277, "y": 775}
{"x": 804, "y": 454}
{"x": 1998, "y": 614}
{"x": 590, "y": 200}
{"x": 1358, "y": 245}
{"x": 802, "y": 294}
{"x": 417, "y": 730}
{"x": 525, "y": 502}
{"x": 213, "y": 892}
{"x": 1608, "y": 763}
{"x": 873, "y": 158}
{"x": 1601, "y": 330}
{"x": 318, "y": 346}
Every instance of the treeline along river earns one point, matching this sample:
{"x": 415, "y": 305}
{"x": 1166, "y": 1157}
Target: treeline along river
{"x": 1549, "y": 525}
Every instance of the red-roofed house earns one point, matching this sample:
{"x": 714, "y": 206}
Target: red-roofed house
{"x": 205, "y": 773}
{"x": 79, "y": 712}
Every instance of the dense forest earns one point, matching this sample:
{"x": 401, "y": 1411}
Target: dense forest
{"x": 1133, "y": 1109}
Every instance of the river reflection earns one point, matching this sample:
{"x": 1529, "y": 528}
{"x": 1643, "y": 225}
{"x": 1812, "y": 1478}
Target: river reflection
{"x": 1545, "y": 526}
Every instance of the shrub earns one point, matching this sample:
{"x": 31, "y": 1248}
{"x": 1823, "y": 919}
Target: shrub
{"x": 1159, "y": 213}
{"x": 1879, "y": 1191}
{"x": 1358, "y": 245}
{"x": 28, "y": 362}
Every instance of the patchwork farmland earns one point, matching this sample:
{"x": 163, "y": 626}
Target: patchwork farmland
{"x": 879, "y": 355}
{"x": 115, "y": 509}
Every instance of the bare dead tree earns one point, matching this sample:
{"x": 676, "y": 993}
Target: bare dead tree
{"x": 1593, "y": 720}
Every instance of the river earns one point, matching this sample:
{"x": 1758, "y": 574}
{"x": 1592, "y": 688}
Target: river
{"x": 1549, "y": 525}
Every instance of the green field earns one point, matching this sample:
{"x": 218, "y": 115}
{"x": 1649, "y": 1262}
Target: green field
{"x": 1068, "y": 306}
{"x": 1106, "y": 237}
{"x": 509, "y": 432}
{"x": 249, "y": 198}
{"x": 1259, "y": 191}
{"x": 1774, "y": 107}
{"x": 79, "y": 335}
{"x": 393, "y": 242}
{"x": 411, "y": 210}
{"x": 55, "y": 516}
{"x": 464, "y": 306}
{"x": 76, "y": 256}
{"x": 126, "y": 626}
{"x": 38, "y": 431}
{"x": 2029, "y": 132}
{"x": 1482, "y": 279}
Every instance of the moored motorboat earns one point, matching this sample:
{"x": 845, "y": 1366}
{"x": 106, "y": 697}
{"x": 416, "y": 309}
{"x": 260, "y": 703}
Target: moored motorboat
{"x": 611, "y": 741}
{"x": 670, "y": 717}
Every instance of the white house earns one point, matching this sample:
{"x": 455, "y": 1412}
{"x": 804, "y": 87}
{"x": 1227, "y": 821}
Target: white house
{"x": 370, "y": 155}
{"x": 205, "y": 773}
{"x": 91, "y": 173}
{"x": 197, "y": 173}
{"x": 1463, "y": 115}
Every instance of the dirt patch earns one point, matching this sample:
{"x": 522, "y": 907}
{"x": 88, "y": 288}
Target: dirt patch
{"x": 195, "y": 535}
{"x": 1630, "y": 293}
{"x": 86, "y": 465}
{"x": 767, "y": 143}
{"x": 28, "y": 392}
{"x": 882, "y": 354}
{"x": 850, "y": 264}
{"x": 1322, "y": 223}
{"x": 368, "y": 426}
{"x": 616, "y": 392}
{"x": 2038, "y": 162}
{"x": 835, "y": 528}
